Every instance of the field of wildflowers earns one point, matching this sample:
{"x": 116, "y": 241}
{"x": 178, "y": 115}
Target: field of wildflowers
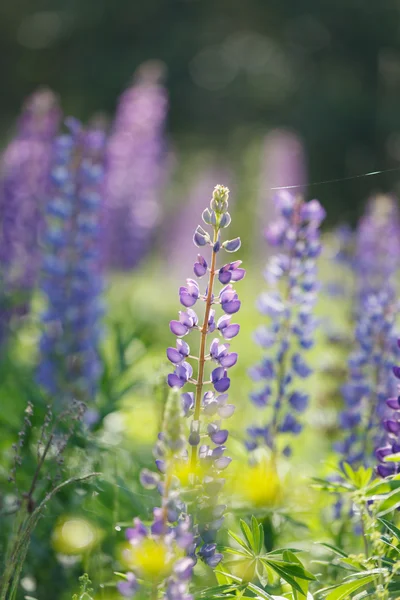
{"x": 199, "y": 400}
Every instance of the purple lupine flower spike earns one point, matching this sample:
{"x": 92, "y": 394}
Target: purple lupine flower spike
{"x": 71, "y": 281}
{"x": 377, "y": 246}
{"x": 24, "y": 180}
{"x": 391, "y": 439}
{"x": 171, "y": 532}
{"x": 207, "y": 407}
{"x": 370, "y": 379}
{"x": 136, "y": 164}
{"x": 290, "y": 332}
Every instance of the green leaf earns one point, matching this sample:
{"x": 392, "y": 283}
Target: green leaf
{"x": 241, "y": 542}
{"x": 284, "y": 573}
{"x": 389, "y": 503}
{"x": 235, "y": 551}
{"x": 251, "y": 586}
{"x": 392, "y": 528}
{"x": 344, "y": 590}
{"x": 258, "y": 534}
{"x": 248, "y": 534}
{"x": 334, "y": 549}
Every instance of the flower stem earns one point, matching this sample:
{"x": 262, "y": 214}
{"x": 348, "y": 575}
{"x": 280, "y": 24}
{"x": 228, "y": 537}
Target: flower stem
{"x": 202, "y": 351}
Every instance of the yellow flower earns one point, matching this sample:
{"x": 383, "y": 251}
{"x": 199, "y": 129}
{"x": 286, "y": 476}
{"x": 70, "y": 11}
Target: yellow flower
{"x": 151, "y": 559}
{"x": 74, "y": 535}
{"x": 258, "y": 485}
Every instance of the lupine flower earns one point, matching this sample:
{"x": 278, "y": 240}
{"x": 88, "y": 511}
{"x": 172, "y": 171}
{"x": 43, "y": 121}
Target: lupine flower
{"x": 135, "y": 168}
{"x": 206, "y": 408}
{"x": 391, "y": 425}
{"x": 71, "y": 277}
{"x": 370, "y": 364}
{"x": 369, "y": 379}
{"x": 377, "y": 246}
{"x": 163, "y": 553}
{"x": 24, "y": 177}
{"x": 289, "y": 309}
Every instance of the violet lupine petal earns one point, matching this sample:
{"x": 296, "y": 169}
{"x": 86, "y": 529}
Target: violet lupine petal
{"x": 229, "y": 360}
{"x": 393, "y": 403}
{"x": 178, "y": 328}
{"x": 190, "y": 294}
{"x": 200, "y": 266}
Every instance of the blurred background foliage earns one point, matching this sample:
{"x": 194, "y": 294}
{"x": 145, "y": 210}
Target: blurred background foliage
{"x": 329, "y": 70}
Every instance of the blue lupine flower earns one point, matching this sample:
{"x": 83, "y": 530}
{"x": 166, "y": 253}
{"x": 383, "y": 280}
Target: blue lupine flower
{"x": 291, "y": 326}
{"x": 370, "y": 380}
{"x": 71, "y": 275}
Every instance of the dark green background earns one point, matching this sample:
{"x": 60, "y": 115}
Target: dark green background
{"x": 341, "y": 74}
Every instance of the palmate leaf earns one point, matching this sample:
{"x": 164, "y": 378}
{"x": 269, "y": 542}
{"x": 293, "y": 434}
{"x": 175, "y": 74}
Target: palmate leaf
{"x": 290, "y": 573}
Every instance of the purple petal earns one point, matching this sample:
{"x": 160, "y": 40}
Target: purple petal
{"x": 183, "y": 568}
{"x": 187, "y": 299}
{"x": 396, "y": 372}
{"x": 178, "y": 328}
{"x": 175, "y": 381}
{"x": 393, "y": 403}
{"x": 231, "y": 307}
{"x": 238, "y": 274}
{"x": 226, "y": 411}
{"x": 230, "y": 331}
{"x": 222, "y": 463}
{"x": 187, "y": 401}
{"x": 222, "y": 384}
{"x": 174, "y": 356}
{"x": 219, "y": 437}
{"x": 229, "y": 360}
{"x": 199, "y": 270}
{"x": 224, "y": 276}
{"x": 391, "y": 426}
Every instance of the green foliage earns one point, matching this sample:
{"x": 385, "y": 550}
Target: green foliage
{"x": 269, "y": 568}
{"x": 85, "y": 589}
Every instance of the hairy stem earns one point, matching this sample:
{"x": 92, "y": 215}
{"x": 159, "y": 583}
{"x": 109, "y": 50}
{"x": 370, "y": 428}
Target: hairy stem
{"x": 202, "y": 351}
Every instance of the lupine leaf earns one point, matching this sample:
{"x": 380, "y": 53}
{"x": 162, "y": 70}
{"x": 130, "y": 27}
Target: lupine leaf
{"x": 247, "y": 534}
{"x": 239, "y": 540}
{"x": 334, "y": 549}
{"x": 344, "y": 590}
{"x": 392, "y": 528}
